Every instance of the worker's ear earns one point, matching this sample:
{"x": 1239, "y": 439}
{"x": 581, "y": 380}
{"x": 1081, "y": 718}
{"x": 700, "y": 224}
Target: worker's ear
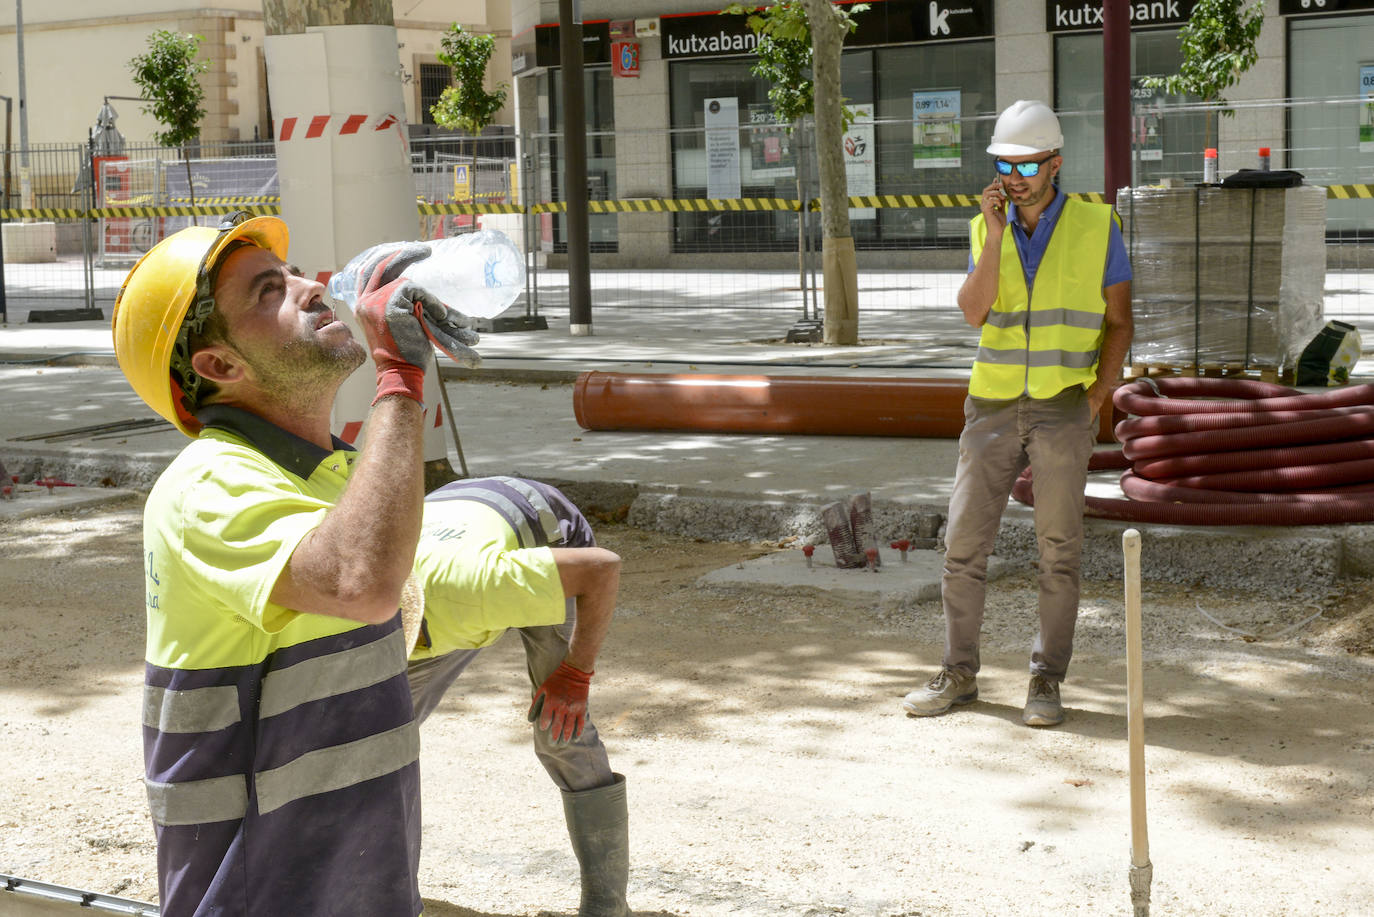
{"x": 219, "y": 363}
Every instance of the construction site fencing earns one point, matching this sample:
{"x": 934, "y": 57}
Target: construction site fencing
{"x": 708, "y": 219}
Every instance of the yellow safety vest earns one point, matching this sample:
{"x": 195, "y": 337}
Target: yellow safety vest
{"x": 1042, "y": 347}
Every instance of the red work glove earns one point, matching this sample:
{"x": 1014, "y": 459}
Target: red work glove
{"x": 560, "y": 704}
{"x": 401, "y": 318}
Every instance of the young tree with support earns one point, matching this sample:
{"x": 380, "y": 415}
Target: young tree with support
{"x": 1218, "y": 45}
{"x": 169, "y": 75}
{"x": 820, "y": 26}
{"x": 784, "y": 52}
{"x": 467, "y": 105}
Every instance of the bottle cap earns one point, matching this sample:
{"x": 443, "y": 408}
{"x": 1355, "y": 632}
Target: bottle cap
{"x": 1210, "y": 152}
{"x": 1264, "y": 151}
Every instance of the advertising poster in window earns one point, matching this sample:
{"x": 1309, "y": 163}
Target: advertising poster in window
{"x": 859, "y": 168}
{"x": 770, "y": 146}
{"x": 1367, "y": 108}
{"x": 722, "y": 148}
{"x": 935, "y": 127}
{"x": 1148, "y": 118}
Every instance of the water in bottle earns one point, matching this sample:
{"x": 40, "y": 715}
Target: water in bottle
{"x": 480, "y": 273}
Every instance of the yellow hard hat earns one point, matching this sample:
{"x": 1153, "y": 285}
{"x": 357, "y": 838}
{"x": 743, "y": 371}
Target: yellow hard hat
{"x": 150, "y": 324}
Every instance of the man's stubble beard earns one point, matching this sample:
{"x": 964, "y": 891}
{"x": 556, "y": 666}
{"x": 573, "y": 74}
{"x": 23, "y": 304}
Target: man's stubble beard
{"x": 304, "y": 367}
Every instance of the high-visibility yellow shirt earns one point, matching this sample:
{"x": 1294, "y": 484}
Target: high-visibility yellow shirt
{"x": 1041, "y": 342}
{"x": 478, "y": 580}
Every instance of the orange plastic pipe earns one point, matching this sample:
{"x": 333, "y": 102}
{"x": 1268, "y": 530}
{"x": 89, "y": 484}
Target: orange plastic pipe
{"x": 808, "y": 405}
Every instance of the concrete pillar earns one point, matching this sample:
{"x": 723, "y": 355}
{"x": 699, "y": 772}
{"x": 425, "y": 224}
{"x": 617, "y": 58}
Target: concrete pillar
{"x": 343, "y": 158}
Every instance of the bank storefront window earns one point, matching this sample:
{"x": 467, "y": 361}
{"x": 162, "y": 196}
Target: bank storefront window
{"x": 600, "y": 116}
{"x": 1331, "y": 58}
{"x": 726, "y": 144}
{"x": 1165, "y": 143}
{"x": 919, "y": 78}
{"x": 936, "y": 107}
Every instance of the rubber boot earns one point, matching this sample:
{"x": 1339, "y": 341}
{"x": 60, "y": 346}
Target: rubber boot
{"x": 599, "y": 826}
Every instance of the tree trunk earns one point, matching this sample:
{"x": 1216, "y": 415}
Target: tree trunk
{"x": 291, "y": 17}
{"x": 837, "y": 245}
{"x": 190, "y": 186}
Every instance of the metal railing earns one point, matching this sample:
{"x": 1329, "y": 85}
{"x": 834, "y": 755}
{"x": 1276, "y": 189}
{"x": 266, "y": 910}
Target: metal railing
{"x": 662, "y": 237}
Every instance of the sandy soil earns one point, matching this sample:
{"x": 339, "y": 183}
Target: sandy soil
{"x": 770, "y": 768}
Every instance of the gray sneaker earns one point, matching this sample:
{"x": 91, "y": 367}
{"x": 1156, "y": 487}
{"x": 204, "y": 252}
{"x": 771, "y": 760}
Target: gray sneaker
{"x": 941, "y": 693}
{"x": 1042, "y": 703}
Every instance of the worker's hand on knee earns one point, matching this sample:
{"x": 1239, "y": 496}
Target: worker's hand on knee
{"x": 400, "y": 319}
{"x": 560, "y": 704}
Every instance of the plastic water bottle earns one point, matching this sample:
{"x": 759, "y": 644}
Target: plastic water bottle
{"x": 479, "y": 273}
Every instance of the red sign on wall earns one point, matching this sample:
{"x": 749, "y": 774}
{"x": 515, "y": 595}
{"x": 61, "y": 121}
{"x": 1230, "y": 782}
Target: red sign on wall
{"x": 625, "y": 58}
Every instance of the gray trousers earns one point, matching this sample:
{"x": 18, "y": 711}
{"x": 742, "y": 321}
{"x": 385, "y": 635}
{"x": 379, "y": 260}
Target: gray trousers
{"x": 1055, "y": 437}
{"x": 577, "y": 765}
{"x": 539, "y": 514}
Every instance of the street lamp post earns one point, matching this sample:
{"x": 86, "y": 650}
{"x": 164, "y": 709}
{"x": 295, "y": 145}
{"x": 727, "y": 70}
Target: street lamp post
{"x": 25, "y": 184}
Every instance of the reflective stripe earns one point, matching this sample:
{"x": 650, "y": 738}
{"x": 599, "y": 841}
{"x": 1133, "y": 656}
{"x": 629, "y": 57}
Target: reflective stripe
{"x": 999, "y": 319}
{"x": 547, "y": 519}
{"x": 332, "y": 675}
{"x": 197, "y": 802}
{"x": 1069, "y": 359}
{"x": 1072, "y": 318}
{"x": 508, "y": 510}
{"x": 1002, "y": 357}
{"x": 327, "y": 769}
{"x": 195, "y": 710}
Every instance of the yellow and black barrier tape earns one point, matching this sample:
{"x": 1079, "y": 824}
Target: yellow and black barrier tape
{"x": 634, "y": 205}
{"x": 115, "y": 213}
{"x": 248, "y": 199}
{"x": 445, "y": 209}
{"x": 1349, "y": 192}
{"x": 907, "y": 201}
{"x": 42, "y": 213}
{"x": 676, "y": 205}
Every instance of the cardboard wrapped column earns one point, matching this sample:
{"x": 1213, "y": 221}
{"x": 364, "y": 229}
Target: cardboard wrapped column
{"x": 343, "y": 161}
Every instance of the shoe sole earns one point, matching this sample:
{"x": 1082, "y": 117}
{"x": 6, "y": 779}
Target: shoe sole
{"x": 957, "y": 702}
{"x": 1038, "y": 720}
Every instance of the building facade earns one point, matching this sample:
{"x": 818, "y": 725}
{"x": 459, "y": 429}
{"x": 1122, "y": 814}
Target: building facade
{"x": 930, "y": 76}
{"x": 77, "y": 53}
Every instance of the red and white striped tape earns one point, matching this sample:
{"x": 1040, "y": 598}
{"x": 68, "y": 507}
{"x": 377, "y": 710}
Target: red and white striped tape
{"x": 300, "y": 128}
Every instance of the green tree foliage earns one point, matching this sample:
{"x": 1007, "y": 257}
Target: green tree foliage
{"x": 466, "y": 104}
{"x": 1218, "y": 45}
{"x": 784, "y": 50}
{"x": 169, "y": 76}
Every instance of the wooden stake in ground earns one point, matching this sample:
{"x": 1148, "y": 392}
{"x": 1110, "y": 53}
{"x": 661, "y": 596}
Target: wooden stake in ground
{"x": 1142, "y": 872}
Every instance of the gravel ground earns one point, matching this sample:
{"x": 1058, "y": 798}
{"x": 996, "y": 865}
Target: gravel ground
{"x": 769, "y": 766}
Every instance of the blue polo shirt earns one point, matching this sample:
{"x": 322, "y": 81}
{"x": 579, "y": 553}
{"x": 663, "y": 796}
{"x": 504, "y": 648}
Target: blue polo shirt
{"x": 1032, "y": 247}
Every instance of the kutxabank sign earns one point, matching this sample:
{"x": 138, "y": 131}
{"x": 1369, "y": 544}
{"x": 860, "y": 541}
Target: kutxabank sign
{"x": 688, "y": 35}
{"x": 1086, "y": 15}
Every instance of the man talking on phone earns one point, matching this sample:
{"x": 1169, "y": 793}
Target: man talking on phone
{"x": 1054, "y": 309}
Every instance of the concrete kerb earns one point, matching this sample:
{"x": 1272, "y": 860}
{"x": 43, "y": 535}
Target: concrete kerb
{"x": 1270, "y": 559}
{"x": 1289, "y": 560}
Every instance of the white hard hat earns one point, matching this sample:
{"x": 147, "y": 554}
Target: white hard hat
{"x": 1026, "y": 128}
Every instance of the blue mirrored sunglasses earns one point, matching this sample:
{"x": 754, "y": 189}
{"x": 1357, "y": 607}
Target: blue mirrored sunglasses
{"x": 1027, "y": 169}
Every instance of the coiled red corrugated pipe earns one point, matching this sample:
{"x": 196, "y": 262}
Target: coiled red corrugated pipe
{"x": 1201, "y": 451}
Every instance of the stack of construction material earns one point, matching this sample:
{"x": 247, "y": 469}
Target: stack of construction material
{"x": 1225, "y": 277}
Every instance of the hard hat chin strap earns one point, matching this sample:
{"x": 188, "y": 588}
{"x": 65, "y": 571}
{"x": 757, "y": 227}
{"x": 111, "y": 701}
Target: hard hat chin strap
{"x": 202, "y": 307}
